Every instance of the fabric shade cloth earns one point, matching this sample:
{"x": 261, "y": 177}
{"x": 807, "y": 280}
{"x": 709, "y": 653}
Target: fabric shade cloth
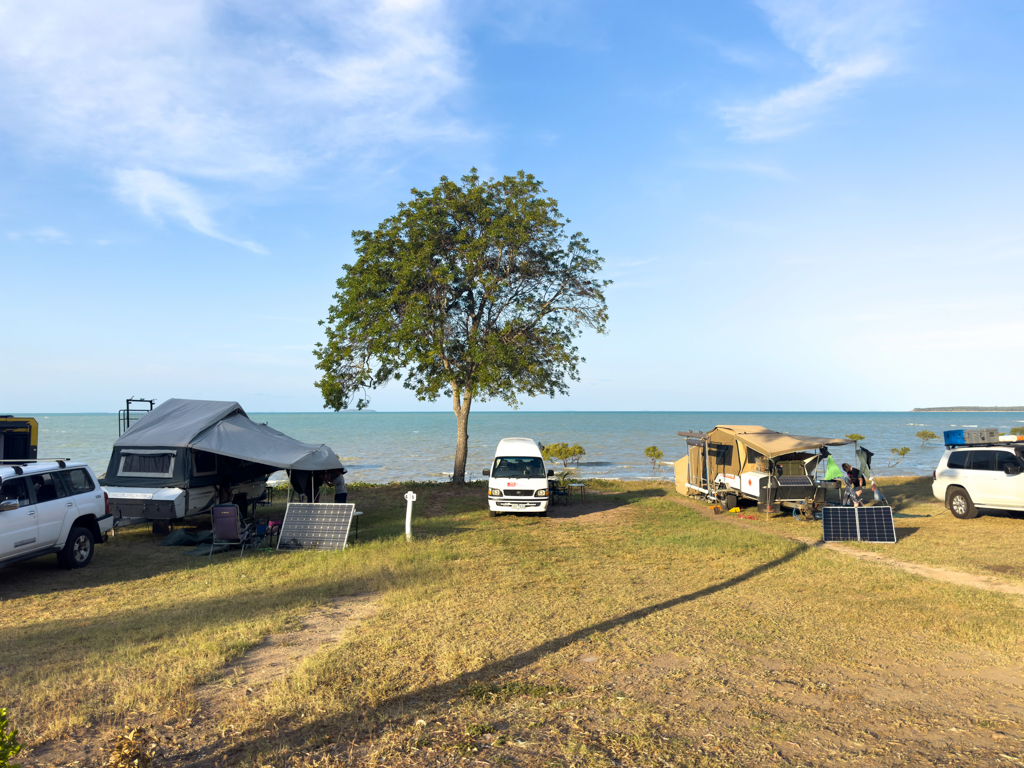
{"x": 771, "y": 444}
{"x": 222, "y": 427}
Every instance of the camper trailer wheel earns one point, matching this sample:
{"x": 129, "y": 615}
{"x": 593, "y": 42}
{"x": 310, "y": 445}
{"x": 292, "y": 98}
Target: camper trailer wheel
{"x": 161, "y": 527}
{"x": 730, "y": 501}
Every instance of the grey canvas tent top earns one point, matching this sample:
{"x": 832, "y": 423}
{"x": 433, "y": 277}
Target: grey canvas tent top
{"x": 223, "y": 428}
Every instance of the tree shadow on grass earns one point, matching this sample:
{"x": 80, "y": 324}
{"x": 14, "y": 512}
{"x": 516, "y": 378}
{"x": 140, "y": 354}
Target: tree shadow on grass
{"x": 402, "y": 709}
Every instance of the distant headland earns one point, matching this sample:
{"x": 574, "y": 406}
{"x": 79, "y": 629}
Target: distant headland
{"x": 968, "y": 409}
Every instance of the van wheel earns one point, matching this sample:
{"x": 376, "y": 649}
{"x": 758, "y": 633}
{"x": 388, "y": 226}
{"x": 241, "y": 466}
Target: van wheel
{"x": 491, "y": 513}
{"x": 543, "y": 514}
{"x": 77, "y": 550}
{"x": 960, "y": 505}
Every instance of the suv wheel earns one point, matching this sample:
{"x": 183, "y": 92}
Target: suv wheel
{"x": 77, "y": 550}
{"x": 960, "y": 505}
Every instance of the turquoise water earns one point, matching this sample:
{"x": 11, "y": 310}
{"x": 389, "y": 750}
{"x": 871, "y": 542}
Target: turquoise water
{"x": 385, "y": 447}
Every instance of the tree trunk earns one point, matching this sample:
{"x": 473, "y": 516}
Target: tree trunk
{"x": 460, "y": 404}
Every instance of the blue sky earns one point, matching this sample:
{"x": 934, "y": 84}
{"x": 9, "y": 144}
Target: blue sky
{"x": 804, "y": 204}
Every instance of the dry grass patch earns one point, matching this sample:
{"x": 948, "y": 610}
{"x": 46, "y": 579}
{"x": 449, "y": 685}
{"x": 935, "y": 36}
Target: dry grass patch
{"x": 654, "y": 636}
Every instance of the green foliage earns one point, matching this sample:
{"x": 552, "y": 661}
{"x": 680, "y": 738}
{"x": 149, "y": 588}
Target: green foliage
{"x": 1017, "y": 430}
{"x": 654, "y": 454}
{"x": 855, "y": 436}
{"x": 925, "y": 435}
{"x": 896, "y": 455}
{"x": 471, "y": 291}
{"x": 9, "y": 744}
{"x": 564, "y": 453}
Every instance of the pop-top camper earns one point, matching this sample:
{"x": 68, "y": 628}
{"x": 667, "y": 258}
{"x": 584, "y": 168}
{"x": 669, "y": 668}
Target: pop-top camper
{"x": 775, "y": 470}
{"x": 185, "y": 455}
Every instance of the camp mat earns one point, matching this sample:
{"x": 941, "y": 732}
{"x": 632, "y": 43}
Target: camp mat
{"x": 202, "y": 541}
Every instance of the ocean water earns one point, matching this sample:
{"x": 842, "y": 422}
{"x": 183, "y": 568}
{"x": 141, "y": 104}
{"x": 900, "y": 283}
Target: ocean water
{"x": 386, "y": 447}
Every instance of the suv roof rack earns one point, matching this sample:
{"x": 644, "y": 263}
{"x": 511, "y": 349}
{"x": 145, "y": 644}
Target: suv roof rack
{"x": 17, "y": 463}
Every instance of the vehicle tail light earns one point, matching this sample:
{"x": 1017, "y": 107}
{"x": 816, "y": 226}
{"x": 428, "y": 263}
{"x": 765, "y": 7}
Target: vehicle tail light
{"x": 106, "y": 503}
{"x": 933, "y": 474}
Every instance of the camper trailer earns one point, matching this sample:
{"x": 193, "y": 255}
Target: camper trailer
{"x": 777, "y": 471}
{"x": 186, "y": 455}
{"x": 19, "y": 438}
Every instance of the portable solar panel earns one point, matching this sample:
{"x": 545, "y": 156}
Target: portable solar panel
{"x": 794, "y": 480}
{"x": 858, "y": 524}
{"x": 315, "y": 526}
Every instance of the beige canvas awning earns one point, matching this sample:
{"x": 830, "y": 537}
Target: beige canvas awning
{"x": 771, "y": 443}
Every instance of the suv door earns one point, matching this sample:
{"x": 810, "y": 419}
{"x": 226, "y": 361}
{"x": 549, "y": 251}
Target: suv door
{"x": 981, "y": 479}
{"x": 19, "y": 528}
{"x": 1009, "y": 478}
{"x": 52, "y": 503}
{"x": 83, "y": 491}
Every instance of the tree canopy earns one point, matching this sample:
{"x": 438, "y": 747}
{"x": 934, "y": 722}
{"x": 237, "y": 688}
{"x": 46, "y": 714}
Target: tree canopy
{"x": 473, "y": 290}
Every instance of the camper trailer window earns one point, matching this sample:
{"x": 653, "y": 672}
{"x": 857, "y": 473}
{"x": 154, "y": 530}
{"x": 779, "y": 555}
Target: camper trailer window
{"x": 142, "y": 463}
{"x": 204, "y": 463}
{"x": 723, "y": 453}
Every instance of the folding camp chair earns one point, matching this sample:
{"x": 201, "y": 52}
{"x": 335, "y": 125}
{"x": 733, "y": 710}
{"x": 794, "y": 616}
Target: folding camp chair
{"x": 559, "y": 493}
{"x": 228, "y": 528}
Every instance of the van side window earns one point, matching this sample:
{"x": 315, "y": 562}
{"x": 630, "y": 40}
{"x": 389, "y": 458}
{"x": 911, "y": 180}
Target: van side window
{"x": 77, "y": 481}
{"x": 15, "y": 488}
{"x": 958, "y": 460}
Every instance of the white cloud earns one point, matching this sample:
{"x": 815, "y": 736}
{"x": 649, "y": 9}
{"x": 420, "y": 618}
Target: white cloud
{"x": 41, "y": 235}
{"x": 158, "y": 195}
{"x": 251, "y": 92}
{"x": 848, "y": 42}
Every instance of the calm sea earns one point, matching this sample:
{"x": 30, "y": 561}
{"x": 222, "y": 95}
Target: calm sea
{"x": 385, "y": 447}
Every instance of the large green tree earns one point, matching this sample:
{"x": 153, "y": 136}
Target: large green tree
{"x": 473, "y": 291}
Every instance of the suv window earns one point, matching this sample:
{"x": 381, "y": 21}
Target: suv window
{"x": 1005, "y": 459}
{"x": 984, "y": 460}
{"x": 15, "y": 488}
{"x": 47, "y": 487}
{"x": 958, "y": 460}
{"x": 77, "y": 481}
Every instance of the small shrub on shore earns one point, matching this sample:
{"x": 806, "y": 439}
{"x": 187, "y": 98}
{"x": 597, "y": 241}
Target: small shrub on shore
{"x": 9, "y": 744}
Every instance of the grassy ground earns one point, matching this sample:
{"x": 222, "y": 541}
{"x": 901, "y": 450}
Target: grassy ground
{"x": 930, "y": 535}
{"x": 629, "y": 630}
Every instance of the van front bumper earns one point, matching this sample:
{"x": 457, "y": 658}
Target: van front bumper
{"x": 526, "y": 504}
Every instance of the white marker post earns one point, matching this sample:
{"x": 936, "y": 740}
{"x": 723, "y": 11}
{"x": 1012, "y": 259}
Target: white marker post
{"x": 410, "y": 497}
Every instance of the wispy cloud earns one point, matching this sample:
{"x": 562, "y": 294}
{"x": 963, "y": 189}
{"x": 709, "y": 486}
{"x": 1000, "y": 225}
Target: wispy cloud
{"x": 158, "y": 195}
{"x": 41, "y": 235}
{"x": 228, "y": 90}
{"x": 755, "y": 169}
{"x": 847, "y": 42}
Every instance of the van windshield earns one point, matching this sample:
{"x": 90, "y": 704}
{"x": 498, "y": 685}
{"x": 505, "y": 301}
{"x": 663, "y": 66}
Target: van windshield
{"x": 518, "y": 466}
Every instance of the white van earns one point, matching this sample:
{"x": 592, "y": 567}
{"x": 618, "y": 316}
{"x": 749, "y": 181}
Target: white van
{"x": 518, "y": 481}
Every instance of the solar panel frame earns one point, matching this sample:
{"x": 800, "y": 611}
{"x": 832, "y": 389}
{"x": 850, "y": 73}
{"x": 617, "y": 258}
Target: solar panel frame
{"x": 794, "y": 480}
{"x": 870, "y": 524}
{"x": 315, "y": 526}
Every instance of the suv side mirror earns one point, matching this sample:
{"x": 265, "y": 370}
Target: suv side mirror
{"x": 9, "y": 505}
{"x": 487, "y": 473}
{"x": 1012, "y": 469}
{"x": 551, "y": 473}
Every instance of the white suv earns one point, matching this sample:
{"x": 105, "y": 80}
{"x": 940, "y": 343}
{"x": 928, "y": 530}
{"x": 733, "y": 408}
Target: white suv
{"x": 986, "y": 477}
{"x": 51, "y": 507}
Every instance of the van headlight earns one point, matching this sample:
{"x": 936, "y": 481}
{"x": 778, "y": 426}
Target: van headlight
{"x": 541, "y": 492}
{"x": 494, "y": 491}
